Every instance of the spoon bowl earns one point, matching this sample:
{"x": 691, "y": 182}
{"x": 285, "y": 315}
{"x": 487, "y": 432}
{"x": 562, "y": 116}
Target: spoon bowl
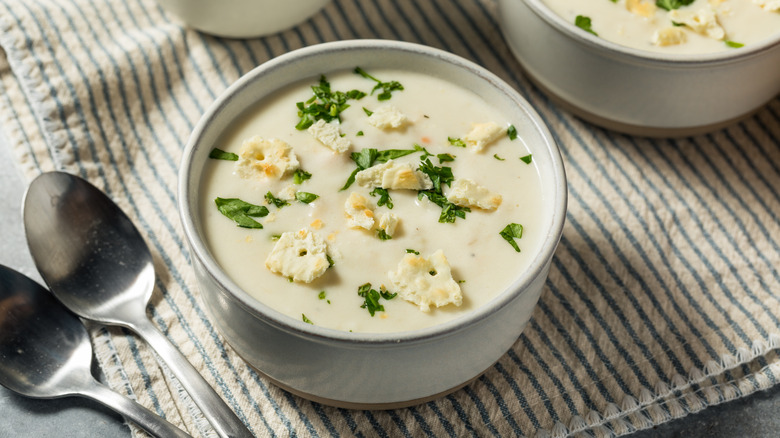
{"x": 45, "y": 352}
{"x": 98, "y": 265}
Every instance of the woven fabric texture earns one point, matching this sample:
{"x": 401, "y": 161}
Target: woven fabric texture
{"x": 663, "y": 297}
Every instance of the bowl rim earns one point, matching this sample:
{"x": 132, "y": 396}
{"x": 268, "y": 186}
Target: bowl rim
{"x": 638, "y": 55}
{"x": 291, "y": 325}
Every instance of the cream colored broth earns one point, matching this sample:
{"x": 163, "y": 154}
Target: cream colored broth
{"x": 743, "y": 21}
{"x": 481, "y": 260}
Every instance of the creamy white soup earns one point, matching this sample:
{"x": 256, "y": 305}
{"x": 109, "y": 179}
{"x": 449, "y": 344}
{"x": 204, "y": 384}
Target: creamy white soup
{"x": 675, "y": 26}
{"x": 394, "y": 251}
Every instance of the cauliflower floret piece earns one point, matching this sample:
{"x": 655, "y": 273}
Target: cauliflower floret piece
{"x": 300, "y": 255}
{"x": 388, "y": 222}
{"x": 387, "y": 117}
{"x": 642, "y": 8}
{"x": 466, "y": 193}
{"x": 358, "y": 212}
{"x": 265, "y": 158}
{"x": 702, "y": 21}
{"x": 668, "y": 36}
{"x": 426, "y": 282}
{"x": 329, "y": 135}
{"x": 394, "y": 175}
{"x": 482, "y": 134}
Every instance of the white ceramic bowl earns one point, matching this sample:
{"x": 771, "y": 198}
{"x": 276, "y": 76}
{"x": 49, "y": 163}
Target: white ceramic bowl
{"x": 242, "y": 18}
{"x": 336, "y": 367}
{"x": 635, "y": 91}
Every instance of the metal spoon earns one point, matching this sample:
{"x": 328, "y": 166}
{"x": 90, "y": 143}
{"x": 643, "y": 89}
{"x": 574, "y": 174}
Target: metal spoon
{"x": 45, "y": 353}
{"x": 96, "y": 262}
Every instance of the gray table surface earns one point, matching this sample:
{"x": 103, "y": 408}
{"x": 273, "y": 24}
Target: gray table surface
{"x": 757, "y": 415}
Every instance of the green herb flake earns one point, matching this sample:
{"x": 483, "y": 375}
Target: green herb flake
{"x": 359, "y": 134}
{"x": 367, "y": 111}
{"x": 511, "y": 132}
{"x": 219, "y": 154}
{"x": 300, "y": 175}
{"x": 322, "y": 295}
{"x": 326, "y": 104}
{"x": 306, "y": 197}
{"x": 526, "y": 158}
{"x": 279, "y": 203}
{"x": 367, "y": 157}
{"x": 456, "y": 142}
{"x": 445, "y": 158}
{"x": 306, "y": 320}
{"x": 411, "y": 251}
{"x": 241, "y": 212}
{"x": 425, "y": 153}
{"x": 498, "y": 158}
{"x": 386, "y": 87}
{"x": 371, "y": 298}
{"x": 511, "y": 232}
{"x": 384, "y": 197}
{"x": 583, "y": 23}
{"x": 449, "y": 211}
{"x": 438, "y": 175}
{"x": 672, "y": 4}
{"x": 330, "y": 261}
{"x": 734, "y": 44}
{"x": 275, "y": 237}
{"x": 382, "y": 234}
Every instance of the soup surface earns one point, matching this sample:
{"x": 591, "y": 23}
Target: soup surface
{"x": 675, "y": 26}
{"x": 358, "y": 246}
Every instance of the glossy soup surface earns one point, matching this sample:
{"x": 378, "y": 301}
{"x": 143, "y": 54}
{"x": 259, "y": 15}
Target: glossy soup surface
{"x": 483, "y": 263}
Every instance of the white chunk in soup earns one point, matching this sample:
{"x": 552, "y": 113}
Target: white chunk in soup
{"x": 428, "y": 228}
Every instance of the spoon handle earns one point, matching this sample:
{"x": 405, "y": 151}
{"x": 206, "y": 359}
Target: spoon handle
{"x": 144, "y": 418}
{"x": 221, "y": 417}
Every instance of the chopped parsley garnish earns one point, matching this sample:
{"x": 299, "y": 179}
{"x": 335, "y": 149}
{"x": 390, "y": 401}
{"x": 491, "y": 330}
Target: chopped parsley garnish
{"x": 583, "y": 23}
{"x": 367, "y": 111}
{"x": 456, "y": 142}
{"x": 386, "y": 87}
{"x": 330, "y": 261}
{"x": 510, "y": 233}
{"x": 219, "y": 154}
{"x": 306, "y": 197}
{"x": 672, "y": 4}
{"x": 382, "y": 234}
{"x": 300, "y": 175}
{"x": 734, "y": 44}
{"x": 367, "y": 157}
{"x": 498, "y": 158}
{"x": 511, "y": 132}
{"x": 438, "y": 175}
{"x": 384, "y": 197}
{"x": 449, "y": 211}
{"x": 359, "y": 134}
{"x": 241, "y": 212}
{"x": 372, "y": 297}
{"x": 279, "y": 203}
{"x": 323, "y": 296}
{"x": 276, "y": 237}
{"x": 527, "y": 158}
{"x": 306, "y": 320}
{"x": 411, "y": 251}
{"x": 325, "y": 104}
{"x": 425, "y": 153}
{"x": 445, "y": 157}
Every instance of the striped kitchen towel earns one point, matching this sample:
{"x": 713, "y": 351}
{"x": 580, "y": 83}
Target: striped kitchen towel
{"x": 663, "y": 297}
